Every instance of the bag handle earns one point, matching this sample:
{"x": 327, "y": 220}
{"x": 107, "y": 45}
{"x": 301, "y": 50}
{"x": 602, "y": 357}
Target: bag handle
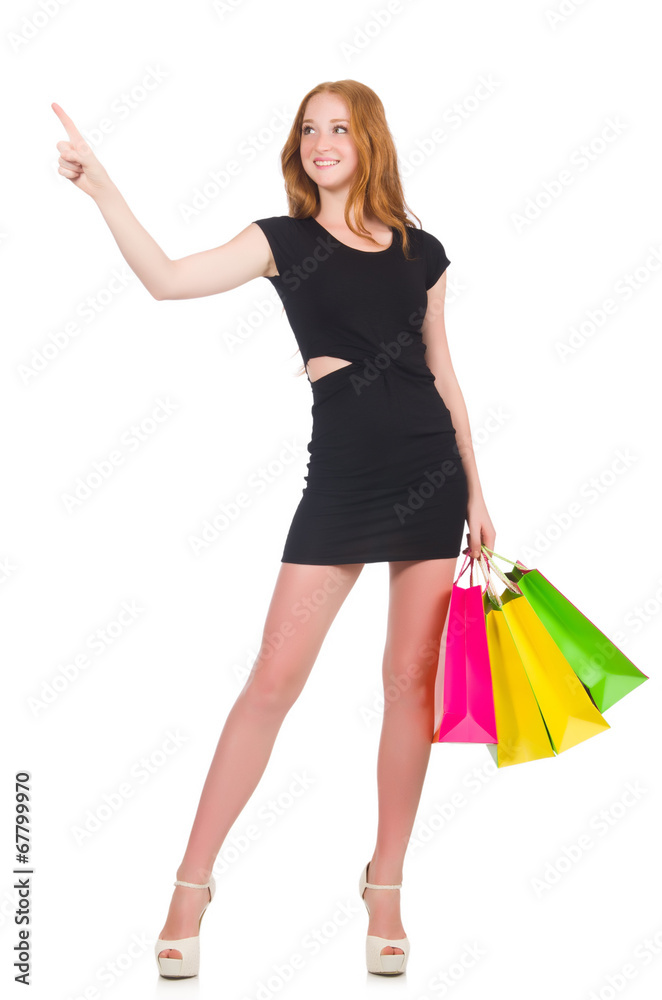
{"x": 464, "y": 566}
{"x": 471, "y": 572}
{"x": 489, "y": 586}
{"x": 515, "y": 562}
{"x": 510, "y": 584}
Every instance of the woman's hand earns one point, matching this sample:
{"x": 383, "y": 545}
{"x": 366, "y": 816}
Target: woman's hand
{"x": 481, "y": 529}
{"x": 77, "y": 161}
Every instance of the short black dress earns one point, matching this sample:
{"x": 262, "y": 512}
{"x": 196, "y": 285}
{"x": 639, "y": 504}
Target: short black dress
{"x": 384, "y": 479}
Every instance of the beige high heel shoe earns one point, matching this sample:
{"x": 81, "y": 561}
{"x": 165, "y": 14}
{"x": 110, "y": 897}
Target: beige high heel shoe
{"x": 382, "y": 965}
{"x": 189, "y": 964}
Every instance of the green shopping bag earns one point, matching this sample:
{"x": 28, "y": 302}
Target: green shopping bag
{"x": 602, "y": 668}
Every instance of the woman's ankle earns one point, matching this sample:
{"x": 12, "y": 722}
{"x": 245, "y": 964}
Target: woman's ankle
{"x": 197, "y": 874}
{"x": 383, "y": 871}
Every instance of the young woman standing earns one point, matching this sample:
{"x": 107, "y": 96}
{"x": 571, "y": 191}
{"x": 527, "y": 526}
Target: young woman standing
{"x": 391, "y": 476}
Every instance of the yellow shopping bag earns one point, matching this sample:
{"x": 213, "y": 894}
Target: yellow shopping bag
{"x": 521, "y": 731}
{"x": 518, "y": 642}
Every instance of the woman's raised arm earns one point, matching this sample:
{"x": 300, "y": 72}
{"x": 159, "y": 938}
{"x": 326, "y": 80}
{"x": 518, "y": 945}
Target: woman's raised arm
{"x": 208, "y": 272}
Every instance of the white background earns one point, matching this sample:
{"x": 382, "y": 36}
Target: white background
{"x": 544, "y": 427}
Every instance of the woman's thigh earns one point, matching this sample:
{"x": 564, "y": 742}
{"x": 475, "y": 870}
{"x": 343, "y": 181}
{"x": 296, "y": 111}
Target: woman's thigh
{"x": 419, "y": 597}
{"x": 305, "y": 601}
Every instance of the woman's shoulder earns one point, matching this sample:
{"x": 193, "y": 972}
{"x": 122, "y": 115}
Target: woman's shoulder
{"x": 433, "y": 252}
{"x": 424, "y": 237}
{"x": 283, "y": 229}
{"x": 282, "y": 223}
{"x": 286, "y": 238}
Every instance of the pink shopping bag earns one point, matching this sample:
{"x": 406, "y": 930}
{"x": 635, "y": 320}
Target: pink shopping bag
{"x": 464, "y": 700}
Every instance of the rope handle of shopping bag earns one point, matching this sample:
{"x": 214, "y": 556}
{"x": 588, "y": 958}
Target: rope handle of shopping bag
{"x": 464, "y": 566}
{"x": 486, "y": 564}
{"x": 488, "y": 583}
{"x": 490, "y": 588}
{"x": 510, "y": 584}
{"x": 485, "y": 569}
{"x": 513, "y": 562}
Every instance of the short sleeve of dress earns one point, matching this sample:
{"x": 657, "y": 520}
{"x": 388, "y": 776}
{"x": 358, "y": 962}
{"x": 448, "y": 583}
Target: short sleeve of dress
{"x": 279, "y": 232}
{"x": 436, "y": 260}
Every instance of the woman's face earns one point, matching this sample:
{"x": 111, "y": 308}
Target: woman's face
{"x": 325, "y": 135}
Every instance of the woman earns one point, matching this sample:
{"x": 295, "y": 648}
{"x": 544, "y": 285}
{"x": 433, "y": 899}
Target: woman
{"x": 391, "y": 476}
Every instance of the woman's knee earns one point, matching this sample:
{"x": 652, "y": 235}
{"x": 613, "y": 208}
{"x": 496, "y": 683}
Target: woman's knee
{"x": 409, "y": 676}
{"x": 274, "y": 686}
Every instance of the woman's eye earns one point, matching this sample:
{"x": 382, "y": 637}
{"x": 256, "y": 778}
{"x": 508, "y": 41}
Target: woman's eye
{"x": 305, "y": 127}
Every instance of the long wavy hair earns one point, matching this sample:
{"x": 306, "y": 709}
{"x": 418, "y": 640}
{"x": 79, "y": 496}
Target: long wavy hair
{"x": 376, "y": 188}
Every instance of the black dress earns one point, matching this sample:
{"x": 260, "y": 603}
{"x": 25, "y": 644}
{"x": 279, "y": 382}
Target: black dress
{"x": 385, "y": 480}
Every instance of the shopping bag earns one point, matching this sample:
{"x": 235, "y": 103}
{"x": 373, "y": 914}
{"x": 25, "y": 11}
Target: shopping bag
{"x": 464, "y": 704}
{"x": 518, "y": 641}
{"x": 602, "y": 668}
{"x": 522, "y": 732}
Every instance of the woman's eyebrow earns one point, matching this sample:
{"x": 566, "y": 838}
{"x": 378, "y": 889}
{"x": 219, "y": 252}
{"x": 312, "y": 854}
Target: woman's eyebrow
{"x": 312, "y": 120}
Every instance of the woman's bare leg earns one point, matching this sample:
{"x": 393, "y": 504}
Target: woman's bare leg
{"x": 419, "y": 597}
{"x": 308, "y": 597}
